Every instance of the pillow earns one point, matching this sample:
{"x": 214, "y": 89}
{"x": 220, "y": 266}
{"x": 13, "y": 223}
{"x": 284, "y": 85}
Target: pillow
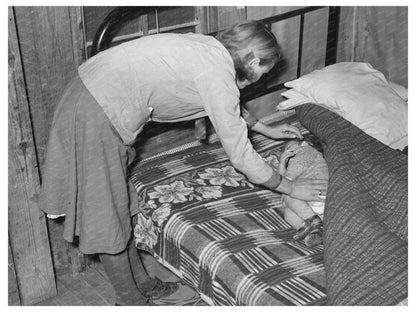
{"x": 357, "y": 92}
{"x": 400, "y": 90}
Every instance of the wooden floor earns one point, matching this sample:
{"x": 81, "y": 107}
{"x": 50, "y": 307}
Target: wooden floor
{"x": 92, "y": 288}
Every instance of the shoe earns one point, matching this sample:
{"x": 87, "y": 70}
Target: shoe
{"x": 160, "y": 289}
{"x": 307, "y": 226}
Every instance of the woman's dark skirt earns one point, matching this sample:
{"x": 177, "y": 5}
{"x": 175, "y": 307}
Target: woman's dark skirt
{"x": 84, "y": 174}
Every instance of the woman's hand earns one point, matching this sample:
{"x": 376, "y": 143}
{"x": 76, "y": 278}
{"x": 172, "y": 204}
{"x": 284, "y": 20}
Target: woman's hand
{"x": 284, "y": 131}
{"x": 304, "y": 189}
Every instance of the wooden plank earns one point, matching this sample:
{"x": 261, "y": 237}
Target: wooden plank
{"x": 221, "y": 17}
{"x": 212, "y": 19}
{"x": 230, "y": 15}
{"x": 13, "y": 291}
{"x": 52, "y": 49}
{"x": 382, "y": 34}
{"x": 78, "y": 292}
{"x": 260, "y": 12}
{"x": 201, "y": 16}
{"x": 287, "y": 35}
{"x": 27, "y": 227}
{"x": 94, "y": 15}
{"x": 91, "y": 288}
{"x": 76, "y": 24}
{"x": 377, "y": 35}
{"x": 346, "y": 34}
{"x": 314, "y": 40}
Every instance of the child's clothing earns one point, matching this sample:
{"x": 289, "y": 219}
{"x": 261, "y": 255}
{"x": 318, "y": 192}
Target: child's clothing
{"x": 308, "y": 163}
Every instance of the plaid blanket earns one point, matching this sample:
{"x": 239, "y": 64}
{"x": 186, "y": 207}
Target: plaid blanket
{"x": 228, "y": 239}
{"x": 222, "y": 235}
{"x": 365, "y": 223}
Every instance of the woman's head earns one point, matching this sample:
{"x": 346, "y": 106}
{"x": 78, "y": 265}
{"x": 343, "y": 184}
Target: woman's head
{"x": 253, "y": 48}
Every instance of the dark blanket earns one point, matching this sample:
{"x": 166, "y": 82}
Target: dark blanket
{"x": 365, "y": 222}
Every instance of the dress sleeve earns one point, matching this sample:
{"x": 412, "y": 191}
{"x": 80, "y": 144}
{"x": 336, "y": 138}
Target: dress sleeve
{"x": 220, "y": 97}
{"x": 248, "y": 118}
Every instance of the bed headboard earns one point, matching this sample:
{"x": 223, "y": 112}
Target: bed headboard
{"x": 259, "y": 96}
{"x": 266, "y": 84}
{"x": 113, "y": 22}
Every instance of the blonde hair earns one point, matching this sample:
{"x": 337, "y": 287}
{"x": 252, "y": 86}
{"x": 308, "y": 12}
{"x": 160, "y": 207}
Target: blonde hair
{"x": 246, "y": 41}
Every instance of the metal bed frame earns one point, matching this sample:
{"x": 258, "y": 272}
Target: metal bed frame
{"x": 113, "y": 22}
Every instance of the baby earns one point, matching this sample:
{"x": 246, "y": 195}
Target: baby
{"x": 301, "y": 159}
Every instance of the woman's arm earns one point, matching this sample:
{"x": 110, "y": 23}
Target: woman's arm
{"x": 276, "y": 132}
{"x": 221, "y": 103}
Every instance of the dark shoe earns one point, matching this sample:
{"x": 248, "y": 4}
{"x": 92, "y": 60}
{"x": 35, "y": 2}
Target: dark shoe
{"x": 307, "y": 226}
{"x": 161, "y": 289}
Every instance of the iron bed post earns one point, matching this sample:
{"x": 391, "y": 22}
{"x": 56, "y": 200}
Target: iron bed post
{"x": 113, "y": 22}
{"x": 117, "y": 17}
{"x": 332, "y": 35}
{"x": 300, "y": 48}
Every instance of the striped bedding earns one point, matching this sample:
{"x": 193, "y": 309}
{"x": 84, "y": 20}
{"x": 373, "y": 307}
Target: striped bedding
{"x": 227, "y": 238}
{"x": 222, "y": 235}
{"x": 366, "y": 211}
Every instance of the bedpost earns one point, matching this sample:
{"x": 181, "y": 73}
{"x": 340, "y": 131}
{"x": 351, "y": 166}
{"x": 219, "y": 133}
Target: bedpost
{"x": 111, "y": 24}
{"x": 332, "y": 36}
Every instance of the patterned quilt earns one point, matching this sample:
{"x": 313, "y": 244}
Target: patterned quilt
{"x": 366, "y": 212}
{"x": 227, "y": 238}
{"x": 222, "y": 235}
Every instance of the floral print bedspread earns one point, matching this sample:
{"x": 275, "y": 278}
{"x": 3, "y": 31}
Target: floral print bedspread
{"x": 222, "y": 235}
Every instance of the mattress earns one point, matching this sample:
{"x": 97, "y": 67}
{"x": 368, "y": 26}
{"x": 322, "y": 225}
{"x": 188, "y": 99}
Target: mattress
{"x": 222, "y": 235}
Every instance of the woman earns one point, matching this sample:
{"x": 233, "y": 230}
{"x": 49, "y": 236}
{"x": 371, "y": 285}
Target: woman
{"x": 165, "y": 78}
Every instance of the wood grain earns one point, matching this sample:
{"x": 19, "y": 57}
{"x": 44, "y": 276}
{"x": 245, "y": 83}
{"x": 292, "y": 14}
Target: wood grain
{"x": 27, "y": 227}
{"x": 52, "y": 49}
{"x": 221, "y": 17}
{"x": 377, "y": 35}
{"x": 314, "y": 40}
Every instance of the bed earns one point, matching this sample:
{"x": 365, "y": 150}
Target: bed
{"x": 227, "y": 238}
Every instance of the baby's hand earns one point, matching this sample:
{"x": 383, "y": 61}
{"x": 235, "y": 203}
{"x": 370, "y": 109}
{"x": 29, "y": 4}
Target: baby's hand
{"x": 290, "y": 152}
{"x": 284, "y": 159}
{"x": 286, "y": 155}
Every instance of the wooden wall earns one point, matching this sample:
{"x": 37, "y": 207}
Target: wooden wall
{"x": 48, "y": 44}
{"x": 172, "y": 19}
{"x": 29, "y": 243}
{"x": 377, "y": 35}
{"x": 52, "y": 48}
{"x": 287, "y": 33}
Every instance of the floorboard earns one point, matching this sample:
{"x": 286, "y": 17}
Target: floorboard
{"x": 92, "y": 288}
